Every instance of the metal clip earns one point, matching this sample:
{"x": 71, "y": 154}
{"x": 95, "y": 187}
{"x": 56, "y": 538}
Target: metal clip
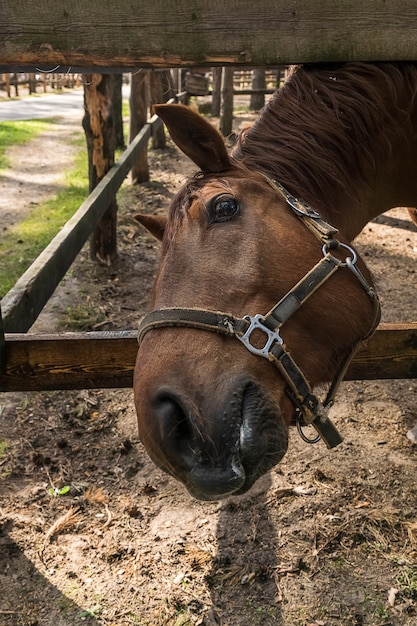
{"x": 300, "y": 423}
{"x": 257, "y": 324}
{"x": 351, "y": 264}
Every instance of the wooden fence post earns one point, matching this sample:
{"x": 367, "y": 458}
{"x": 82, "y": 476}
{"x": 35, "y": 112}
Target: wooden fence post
{"x": 6, "y": 79}
{"x": 117, "y": 102}
{"x": 257, "y": 100}
{"x": 226, "y": 117}
{"x": 156, "y": 96}
{"x": 139, "y": 106}
{"x": 216, "y": 92}
{"x": 168, "y": 85}
{"x": 161, "y": 90}
{"x": 99, "y": 131}
{"x": 2, "y": 346}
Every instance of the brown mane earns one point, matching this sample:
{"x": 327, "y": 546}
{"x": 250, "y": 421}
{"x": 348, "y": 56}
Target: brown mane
{"x": 320, "y": 134}
{"x": 314, "y": 134}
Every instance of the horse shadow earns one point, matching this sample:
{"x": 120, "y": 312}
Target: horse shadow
{"x": 26, "y": 595}
{"x": 242, "y": 584}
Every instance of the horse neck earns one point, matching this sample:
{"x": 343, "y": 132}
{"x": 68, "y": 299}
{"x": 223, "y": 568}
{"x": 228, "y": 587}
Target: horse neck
{"x": 342, "y": 138}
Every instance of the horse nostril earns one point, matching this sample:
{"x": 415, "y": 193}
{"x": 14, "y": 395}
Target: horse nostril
{"x": 175, "y": 427}
{"x": 191, "y": 452}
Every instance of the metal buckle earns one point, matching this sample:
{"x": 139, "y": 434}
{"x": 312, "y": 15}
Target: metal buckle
{"x": 302, "y": 208}
{"x": 257, "y": 324}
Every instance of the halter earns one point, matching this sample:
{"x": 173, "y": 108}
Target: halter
{"x": 309, "y": 409}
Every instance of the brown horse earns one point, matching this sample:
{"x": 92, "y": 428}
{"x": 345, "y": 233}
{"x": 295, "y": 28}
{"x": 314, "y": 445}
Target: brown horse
{"x": 251, "y": 251}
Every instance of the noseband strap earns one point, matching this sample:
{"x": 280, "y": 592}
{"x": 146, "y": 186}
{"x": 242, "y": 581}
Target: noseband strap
{"x": 309, "y": 410}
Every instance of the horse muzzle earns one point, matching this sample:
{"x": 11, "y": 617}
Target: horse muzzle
{"x": 221, "y": 451}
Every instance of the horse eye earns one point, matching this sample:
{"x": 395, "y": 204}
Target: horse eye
{"x": 223, "y": 209}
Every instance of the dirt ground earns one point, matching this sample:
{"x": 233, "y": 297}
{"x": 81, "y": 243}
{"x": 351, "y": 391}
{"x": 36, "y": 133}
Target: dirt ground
{"x": 35, "y": 173}
{"x": 92, "y": 533}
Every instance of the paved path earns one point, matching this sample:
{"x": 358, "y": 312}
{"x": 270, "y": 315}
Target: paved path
{"x": 68, "y": 104}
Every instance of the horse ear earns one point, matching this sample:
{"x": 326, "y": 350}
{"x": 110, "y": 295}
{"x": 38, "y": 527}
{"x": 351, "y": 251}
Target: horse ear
{"x": 195, "y": 137}
{"x": 154, "y": 223}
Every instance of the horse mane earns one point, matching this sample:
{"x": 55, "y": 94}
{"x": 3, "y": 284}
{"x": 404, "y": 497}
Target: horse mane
{"x": 322, "y": 131}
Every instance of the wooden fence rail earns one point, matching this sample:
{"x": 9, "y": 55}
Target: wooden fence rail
{"x": 172, "y": 33}
{"x": 96, "y": 360}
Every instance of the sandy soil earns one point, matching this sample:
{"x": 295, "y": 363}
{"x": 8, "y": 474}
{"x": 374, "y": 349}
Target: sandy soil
{"x": 92, "y": 533}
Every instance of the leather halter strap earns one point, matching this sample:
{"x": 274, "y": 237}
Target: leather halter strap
{"x": 309, "y": 408}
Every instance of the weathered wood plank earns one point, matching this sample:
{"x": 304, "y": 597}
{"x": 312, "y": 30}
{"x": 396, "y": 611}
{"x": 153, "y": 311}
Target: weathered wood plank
{"x": 23, "y": 303}
{"x": 390, "y": 353}
{"x": 106, "y": 359}
{"x": 169, "y": 33}
{"x": 2, "y": 346}
{"x": 69, "y": 361}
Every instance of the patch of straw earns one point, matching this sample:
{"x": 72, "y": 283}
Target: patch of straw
{"x": 96, "y": 495}
{"x": 70, "y": 518}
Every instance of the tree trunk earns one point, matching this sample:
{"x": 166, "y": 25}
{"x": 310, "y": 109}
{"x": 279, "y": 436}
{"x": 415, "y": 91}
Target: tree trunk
{"x": 139, "y": 105}
{"x": 99, "y": 131}
{"x": 216, "y": 94}
{"x": 257, "y": 100}
{"x": 226, "y": 117}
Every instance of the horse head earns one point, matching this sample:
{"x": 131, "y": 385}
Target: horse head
{"x": 211, "y": 412}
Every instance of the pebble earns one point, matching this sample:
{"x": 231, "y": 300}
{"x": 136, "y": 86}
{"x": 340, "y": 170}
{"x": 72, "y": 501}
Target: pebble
{"x": 412, "y": 434}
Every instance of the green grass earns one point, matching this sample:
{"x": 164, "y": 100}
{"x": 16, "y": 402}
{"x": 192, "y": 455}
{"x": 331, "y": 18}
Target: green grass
{"x": 83, "y": 316}
{"x": 407, "y": 583}
{"x": 17, "y": 133}
{"x": 3, "y": 448}
{"x": 25, "y": 240}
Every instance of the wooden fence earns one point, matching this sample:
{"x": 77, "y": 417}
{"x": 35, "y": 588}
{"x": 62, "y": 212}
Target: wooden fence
{"x": 93, "y": 35}
{"x": 172, "y": 33}
{"x": 14, "y": 83}
{"x": 23, "y": 303}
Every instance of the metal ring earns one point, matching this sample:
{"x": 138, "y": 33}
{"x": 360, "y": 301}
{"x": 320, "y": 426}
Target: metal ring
{"x": 51, "y": 71}
{"x": 300, "y": 430}
{"x": 352, "y": 260}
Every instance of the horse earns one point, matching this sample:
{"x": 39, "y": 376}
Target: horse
{"x": 260, "y": 298}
